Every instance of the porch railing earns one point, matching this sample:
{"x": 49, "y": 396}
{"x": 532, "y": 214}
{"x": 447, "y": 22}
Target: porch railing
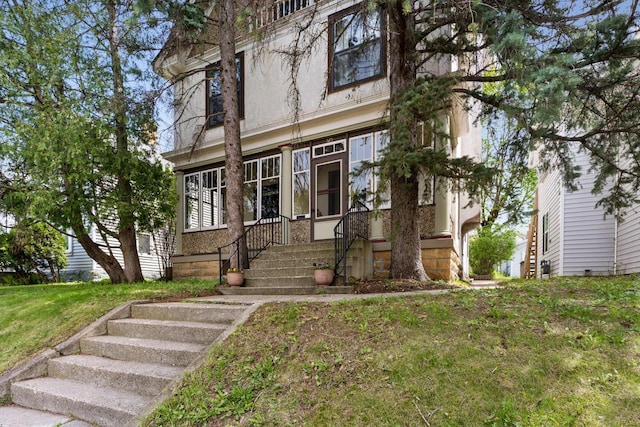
{"x": 354, "y": 224}
{"x": 265, "y": 232}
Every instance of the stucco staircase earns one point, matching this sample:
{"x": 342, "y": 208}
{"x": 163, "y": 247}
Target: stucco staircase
{"x": 288, "y": 270}
{"x": 118, "y": 377}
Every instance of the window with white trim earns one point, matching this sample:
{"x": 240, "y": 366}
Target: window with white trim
{"x": 367, "y": 147}
{"x": 545, "y": 233}
{"x": 301, "y": 182}
{"x": 204, "y": 199}
{"x": 262, "y": 188}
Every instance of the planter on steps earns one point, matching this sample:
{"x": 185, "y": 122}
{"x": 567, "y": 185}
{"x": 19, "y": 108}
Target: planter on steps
{"x": 235, "y": 278}
{"x": 323, "y": 277}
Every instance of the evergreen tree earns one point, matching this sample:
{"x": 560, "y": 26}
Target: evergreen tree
{"x": 77, "y": 126}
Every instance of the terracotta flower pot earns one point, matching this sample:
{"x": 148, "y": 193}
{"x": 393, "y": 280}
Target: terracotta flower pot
{"x": 323, "y": 277}
{"x": 235, "y": 278}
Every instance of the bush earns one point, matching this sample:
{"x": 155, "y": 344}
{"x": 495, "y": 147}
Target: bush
{"x": 490, "y": 247}
{"x": 35, "y": 252}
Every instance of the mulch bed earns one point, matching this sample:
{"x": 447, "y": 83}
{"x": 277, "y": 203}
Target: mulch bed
{"x": 402, "y": 285}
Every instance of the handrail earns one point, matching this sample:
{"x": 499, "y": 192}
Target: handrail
{"x": 273, "y": 230}
{"x": 354, "y": 224}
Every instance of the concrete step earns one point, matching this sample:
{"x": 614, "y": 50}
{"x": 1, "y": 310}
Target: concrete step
{"x": 316, "y": 255}
{"x": 169, "y": 330}
{"x": 290, "y": 290}
{"x": 265, "y": 272}
{"x": 103, "y": 406}
{"x": 301, "y": 247}
{"x": 142, "y": 350}
{"x": 189, "y": 312}
{"x": 143, "y": 378}
{"x": 281, "y": 281}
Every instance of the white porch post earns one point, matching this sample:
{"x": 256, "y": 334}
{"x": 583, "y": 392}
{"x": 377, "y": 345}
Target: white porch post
{"x": 179, "y": 211}
{"x": 286, "y": 176}
{"x": 442, "y": 193}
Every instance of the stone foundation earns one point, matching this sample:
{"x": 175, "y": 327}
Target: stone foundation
{"x": 439, "y": 258}
{"x": 204, "y": 267}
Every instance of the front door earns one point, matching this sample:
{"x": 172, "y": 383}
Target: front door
{"x": 327, "y": 205}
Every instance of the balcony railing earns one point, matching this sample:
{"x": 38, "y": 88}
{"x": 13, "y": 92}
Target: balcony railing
{"x": 277, "y": 10}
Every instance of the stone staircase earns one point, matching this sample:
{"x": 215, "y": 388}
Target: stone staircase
{"x": 288, "y": 270}
{"x": 118, "y": 377}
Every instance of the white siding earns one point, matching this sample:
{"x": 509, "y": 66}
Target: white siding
{"x": 628, "y": 235}
{"x": 81, "y": 266}
{"x": 549, "y": 202}
{"x": 629, "y": 243}
{"x": 588, "y": 236}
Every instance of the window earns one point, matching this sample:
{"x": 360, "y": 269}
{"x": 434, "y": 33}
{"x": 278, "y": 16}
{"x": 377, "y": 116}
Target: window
{"x": 368, "y": 148}
{"x": 301, "y": 182}
{"x": 215, "y": 113}
{"x": 262, "y": 188}
{"x": 144, "y": 244}
{"x": 204, "y": 196}
{"x": 355, "y": 47}
{"x": 68, "y": 242}
{"x": 545, "y": 233}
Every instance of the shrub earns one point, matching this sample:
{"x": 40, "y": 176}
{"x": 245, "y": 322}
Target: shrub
{"x": 490, "y": 247}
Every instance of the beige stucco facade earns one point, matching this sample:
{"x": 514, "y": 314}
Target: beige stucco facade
{"x": 271, "y": 128}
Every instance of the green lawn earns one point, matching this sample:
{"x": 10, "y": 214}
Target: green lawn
{"x": 547, "y": 353}
{"x": 36, "y": 317}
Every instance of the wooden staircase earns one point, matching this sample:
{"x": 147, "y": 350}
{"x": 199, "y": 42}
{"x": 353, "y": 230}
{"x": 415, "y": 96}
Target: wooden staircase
{"x": 531, "y": 256}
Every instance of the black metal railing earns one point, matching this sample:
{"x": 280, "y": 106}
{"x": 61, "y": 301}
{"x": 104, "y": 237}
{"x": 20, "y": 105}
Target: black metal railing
{"x": 354, "y": 224}
{"x": 258, "y": 236}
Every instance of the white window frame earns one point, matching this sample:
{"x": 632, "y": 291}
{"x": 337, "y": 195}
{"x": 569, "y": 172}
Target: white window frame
{"x": 306, "y": 172}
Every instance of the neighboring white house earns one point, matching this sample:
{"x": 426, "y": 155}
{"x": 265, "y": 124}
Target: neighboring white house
{"x": 573, "y": 237}
{"x": 300, "y": 169}
{"x": 81, "y": 267}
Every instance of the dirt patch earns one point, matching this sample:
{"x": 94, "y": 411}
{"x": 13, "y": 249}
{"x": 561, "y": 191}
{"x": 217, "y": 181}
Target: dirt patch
{"x": 401, "y": 285}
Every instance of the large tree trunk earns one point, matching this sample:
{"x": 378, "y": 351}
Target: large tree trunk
{"x": 232, "y": 146}
{"x": 109, "y": 263}
{"x": 406, "y": 256}
{"x": 126, "y": 219}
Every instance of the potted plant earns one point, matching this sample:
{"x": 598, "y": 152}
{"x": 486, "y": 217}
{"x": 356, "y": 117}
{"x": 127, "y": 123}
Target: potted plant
{"x": 235, "y": 277}
{"x": 323, "y": 273}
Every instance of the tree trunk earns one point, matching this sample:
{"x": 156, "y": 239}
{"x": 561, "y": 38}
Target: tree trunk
{"x": 232, "y": 146}
{"x": 406, "y": 255}
{"x": 126, "y": 219}
{"x": 110, "y": 265}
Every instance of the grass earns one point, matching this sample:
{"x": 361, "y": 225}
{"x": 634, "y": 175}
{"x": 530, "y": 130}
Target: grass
{"x": 561, "y": 352}
{"x": 36, "y": 317}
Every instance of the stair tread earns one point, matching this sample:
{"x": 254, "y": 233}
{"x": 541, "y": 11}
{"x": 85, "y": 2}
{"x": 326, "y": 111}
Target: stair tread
{"x": 148, "y": 343}
{"x": 122, "y": 401}
{"x": 169, "y": 323}
{"x": 121, "y": 366}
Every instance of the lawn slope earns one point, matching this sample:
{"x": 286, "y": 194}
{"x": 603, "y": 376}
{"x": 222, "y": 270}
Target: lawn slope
{"x": 559, "y": 352}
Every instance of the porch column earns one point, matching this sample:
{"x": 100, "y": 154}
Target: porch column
{"x": 179, "y": 211}
{"x": 286, "y": 175}
{"x": 442, "y": 194}
{"x": 376, "y": 227}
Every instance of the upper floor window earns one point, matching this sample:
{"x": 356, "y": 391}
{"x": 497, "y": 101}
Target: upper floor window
{"x": 356, "y": 47}
{"x": 215, "y": 114}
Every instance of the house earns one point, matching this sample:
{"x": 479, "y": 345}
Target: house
{"x": 83, "y": 268}
{"x": 570, "y": 236}
{"x": 297, "y": 165}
